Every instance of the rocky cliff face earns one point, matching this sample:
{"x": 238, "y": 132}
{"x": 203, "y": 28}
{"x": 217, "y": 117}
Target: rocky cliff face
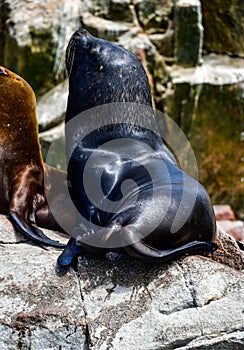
{"x": 183, "y": 46}
{"x": 33, "y": 37}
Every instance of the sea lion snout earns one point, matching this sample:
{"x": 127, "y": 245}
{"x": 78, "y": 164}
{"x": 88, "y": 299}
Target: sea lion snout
{"x": 82, "y": 36}
{"x": 81, "y": 32}
{"x": 80, "y": 41}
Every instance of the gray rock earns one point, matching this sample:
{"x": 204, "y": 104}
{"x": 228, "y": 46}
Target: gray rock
{"x": 53, "y": 146}
{"x": 207, "y": 103}
{"x": 215, "y": 70}
{"x": 35, "y": 36}
{"x": 116, "y": 302}
{"x": 98, "y": 8}
{"x": 39, "y": 310}
{"x": 154, "y": 16}
{"x": 188, "y": 32}
{"x": 121, "y": 10}
{"x": 231, "y": 341}
{"x": 51, "y": 107}
{"x": 104, "y": 28}
{"x": 164, "y": 42}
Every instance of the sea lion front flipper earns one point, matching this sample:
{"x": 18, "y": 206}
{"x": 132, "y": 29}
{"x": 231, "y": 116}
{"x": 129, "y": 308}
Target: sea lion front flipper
{"x": 32, "y": 232}
{"x": 26, "y": 196}
{"x": 70, "y": 254}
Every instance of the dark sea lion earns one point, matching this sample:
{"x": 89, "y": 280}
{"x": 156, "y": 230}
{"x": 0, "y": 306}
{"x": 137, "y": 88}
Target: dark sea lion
{"x": 160, "y": 215}
{"x": 22, "y": 193}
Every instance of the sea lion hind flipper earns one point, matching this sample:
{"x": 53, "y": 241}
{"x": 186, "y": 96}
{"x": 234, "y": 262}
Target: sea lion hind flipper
{"x": 32, "y": 232}
{"x": 70, "y": 254}
{"x": 142, "y": 251}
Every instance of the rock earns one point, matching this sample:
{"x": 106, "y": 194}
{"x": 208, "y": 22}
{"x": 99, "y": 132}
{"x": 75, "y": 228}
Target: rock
{"x": 104, "y": 28}
{"x": 234, "y": 228}
{"x": 228, "y": 252}
{"x": 121, "y": 10}
{"x": 188, "y": 32}
{"x": 154, "y": 16}
{"x": 118, "y": 303}
{"x": 233, "y": 341}
{"x": 223, "y": 212}
{"x": 216, "y": 70}
{"x": 39, "y": 310}
{"x": 51, "y": 107}
{"x": 202, "y": 102}
{"x": 35, "y": 37}
{"x": 53, "y": 146}
{"x": 98, "y": 8}
{"x": 8, "y": 235}
{"x": 164, "y": 42}
{"x": 223, "y": 23}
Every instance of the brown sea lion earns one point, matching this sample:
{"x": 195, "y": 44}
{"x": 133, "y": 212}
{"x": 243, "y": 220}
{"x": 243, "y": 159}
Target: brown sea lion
{"x": 22, "y": 195}
{"x": 126, "y": 185}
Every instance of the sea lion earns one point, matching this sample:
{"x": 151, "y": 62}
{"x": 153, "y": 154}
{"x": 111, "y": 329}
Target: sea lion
{"x": 22, "y": 193}
{"x": 147, "y": 206}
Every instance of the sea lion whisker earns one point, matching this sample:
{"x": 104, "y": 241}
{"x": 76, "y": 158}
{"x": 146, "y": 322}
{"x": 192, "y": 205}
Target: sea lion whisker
{"x": 69, "y": 47}
{"x": 70, "y": 55}
{"x": 71, "y": 60}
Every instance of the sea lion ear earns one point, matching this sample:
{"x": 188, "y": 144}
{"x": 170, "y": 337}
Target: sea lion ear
{"x": 3, "y": 71}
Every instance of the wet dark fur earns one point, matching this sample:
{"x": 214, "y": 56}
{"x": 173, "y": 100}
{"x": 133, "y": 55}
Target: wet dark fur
{"x": 100, "y": 73}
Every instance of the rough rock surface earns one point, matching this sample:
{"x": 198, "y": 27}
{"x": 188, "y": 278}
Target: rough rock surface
{"x": 189, "y": 32}
{"x": 53, "y": 146}
{"x": 34, "y": 35}
{"x": 51, "y": 107}
{"x": 224, "y": 212}
{"x": 154, "y": 15}
{"x": 226, "y": 219}
{"x": 118, "y": 303}
{"x": 234, "y": 228}
{"x": 224, "y": 26}
{"x": 103, "y": 27}
{"x": 208, "y": 103}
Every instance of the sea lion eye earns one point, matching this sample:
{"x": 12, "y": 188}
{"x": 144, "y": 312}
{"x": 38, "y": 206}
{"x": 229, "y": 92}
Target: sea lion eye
{"x": 3, "y": 71}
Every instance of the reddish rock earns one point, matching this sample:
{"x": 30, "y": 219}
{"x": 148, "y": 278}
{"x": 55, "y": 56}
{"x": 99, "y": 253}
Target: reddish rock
{"x": 224, "y": 212}
{"x": 234, "y": 228}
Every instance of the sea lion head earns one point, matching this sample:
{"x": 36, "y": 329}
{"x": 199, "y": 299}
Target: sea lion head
{"x": 17, "y": 92}
{"x": 101, "y": 72}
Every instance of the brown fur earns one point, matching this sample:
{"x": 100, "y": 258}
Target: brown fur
{"x": 21, "y": 165}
